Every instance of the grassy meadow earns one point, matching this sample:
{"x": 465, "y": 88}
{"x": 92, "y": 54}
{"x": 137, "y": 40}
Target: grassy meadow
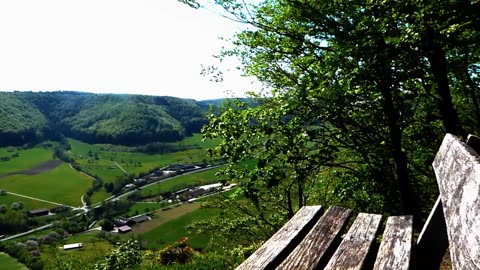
{"x": 139, "y": 208}
{"x": 62, "y": 185}
{"x": 93, "y": 248}
{"x": 26, "y": 159}
{"x": 175, "y": 228}
{"x": 7, "y": 262}
{"x": 99, "y": 196}
{"x": 28, "y": 204}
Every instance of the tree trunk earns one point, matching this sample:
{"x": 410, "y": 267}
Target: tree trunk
{"x": 438, "y": 65}
{"x": 385, "y": 84}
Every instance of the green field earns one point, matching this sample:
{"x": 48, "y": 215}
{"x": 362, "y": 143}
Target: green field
{"x": 62, "y": 185}
{"x": 99, "y": 196}
{"x": 7, "y": 262}
{"x": 175, "y": 229}
{"x": 139, "y": 208}
{"x": 93, "y": 249}
{"x": 28, "y": 204}
{"x": 181, "y": 182}
{"x": 134, "y": 162}
{"x": 197, "y": 139}
{"x": 104, "y": 169}
{"x": 26, "y": 159}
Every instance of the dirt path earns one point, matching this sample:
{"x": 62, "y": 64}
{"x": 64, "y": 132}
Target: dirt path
{"x": 41, "y": 168}
{"x": 37, "y": 199}
{"x": 81, "y": 172}
{"x": 120, "y": 167}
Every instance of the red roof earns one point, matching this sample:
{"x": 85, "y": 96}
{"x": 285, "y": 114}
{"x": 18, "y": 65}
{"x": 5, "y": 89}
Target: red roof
{"x": 124, "y": 228}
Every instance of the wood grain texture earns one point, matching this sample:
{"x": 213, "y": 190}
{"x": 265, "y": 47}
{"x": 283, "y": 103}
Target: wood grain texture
{"x": 396, "y": 246}
{"x": 273, "y": 251}
{"x": 353, "y": 249}
{"x": 314, "y": 249}
{"x": 457, "y": 170}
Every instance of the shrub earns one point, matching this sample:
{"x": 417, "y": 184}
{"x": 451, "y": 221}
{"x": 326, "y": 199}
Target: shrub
{"x": 31, "y": 244}
{"x": 179, "y": 253}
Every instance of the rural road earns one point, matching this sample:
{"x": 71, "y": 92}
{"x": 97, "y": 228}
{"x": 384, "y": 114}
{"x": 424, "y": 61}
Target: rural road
{"x": 27, "y": 232}
{"x": 36, "y": 229}
{"x": 164, "y": 180}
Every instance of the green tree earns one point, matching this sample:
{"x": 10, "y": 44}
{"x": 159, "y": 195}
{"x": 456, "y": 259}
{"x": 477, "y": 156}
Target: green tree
{"x": 125, "y": 256}
{"x": 354, "y": 86}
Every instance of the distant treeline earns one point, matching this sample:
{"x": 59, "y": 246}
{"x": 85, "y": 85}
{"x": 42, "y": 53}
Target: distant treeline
{"x": 29, "y": 117}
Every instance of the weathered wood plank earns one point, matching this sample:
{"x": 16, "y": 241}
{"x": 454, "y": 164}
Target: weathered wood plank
{"x": 356, "y": 244}
{"x": 432, "y": 242}
{"x": 316, "y": 247}
{"x": 395, "y": 249}
{"x": 457, "y": 170}
{"x": 273, "y": 251}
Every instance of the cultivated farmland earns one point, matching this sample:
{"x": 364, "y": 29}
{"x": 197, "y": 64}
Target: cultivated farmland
{"x": 62, "y": 185}
{"x": 102, "y": 159}
{"x": 26, "y": 159}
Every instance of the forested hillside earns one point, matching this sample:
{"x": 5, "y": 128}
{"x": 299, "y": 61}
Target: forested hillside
{"x": 28, "y": 117}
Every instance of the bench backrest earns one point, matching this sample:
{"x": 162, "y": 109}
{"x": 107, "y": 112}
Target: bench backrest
{"x": 457, "y": 169}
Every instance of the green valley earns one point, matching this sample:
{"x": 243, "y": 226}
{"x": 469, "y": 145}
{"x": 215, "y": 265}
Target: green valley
{"x": 101, "y": 181}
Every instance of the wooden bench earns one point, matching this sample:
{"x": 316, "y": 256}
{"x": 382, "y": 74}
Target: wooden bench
{"x": 312, "y": 239}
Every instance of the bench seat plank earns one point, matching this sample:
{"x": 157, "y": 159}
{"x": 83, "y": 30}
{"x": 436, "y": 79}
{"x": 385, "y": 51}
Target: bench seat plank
{"x": 273, "y": 251}
{"x": 314, "y": 249}
{"x": 395, "y": 249}
{"x": 356, "y": 244}
{"x": 457, "y": 170}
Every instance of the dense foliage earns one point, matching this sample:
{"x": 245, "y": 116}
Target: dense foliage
{"x": 118, "y": 119}
{"x": 21, "y": 122}
{"x": 360, "y": 94}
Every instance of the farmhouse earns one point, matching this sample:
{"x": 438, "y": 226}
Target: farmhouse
{"x": 198, "y": 191}
{"x": 38, "y": 212}
{"x": 124, "y": 229}
{"x": 140, "y": 182}
{"x": 158, "y": 173}
{"x": 72, "y": 246}
{"x": 140, "y": 219}
{"x": 182, "y": 167}
{"x": 120, "y": 221}
{"x": 58, "y": 209}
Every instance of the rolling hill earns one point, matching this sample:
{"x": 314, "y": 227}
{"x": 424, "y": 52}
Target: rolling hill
{"x": 29, "y": 117}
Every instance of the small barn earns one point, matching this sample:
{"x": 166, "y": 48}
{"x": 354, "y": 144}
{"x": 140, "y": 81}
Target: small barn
{"x": 140, "y": 219}
{"x": 124, "y": 229}
{"x": 198, "y": 191}
{"x": 38, "y": 212}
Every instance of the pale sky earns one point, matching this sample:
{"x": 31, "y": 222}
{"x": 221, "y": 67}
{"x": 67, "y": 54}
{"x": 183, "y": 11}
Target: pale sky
{"x": 153, "y": 47}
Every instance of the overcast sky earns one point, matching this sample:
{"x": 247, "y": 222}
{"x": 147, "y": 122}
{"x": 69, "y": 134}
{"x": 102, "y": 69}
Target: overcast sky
{"x": 154, "y": 47}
